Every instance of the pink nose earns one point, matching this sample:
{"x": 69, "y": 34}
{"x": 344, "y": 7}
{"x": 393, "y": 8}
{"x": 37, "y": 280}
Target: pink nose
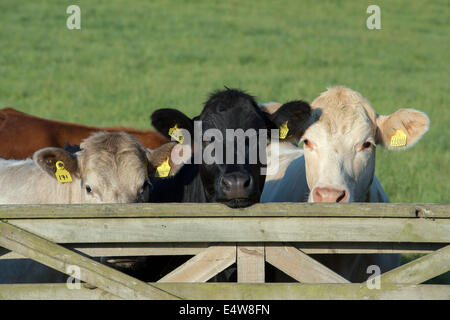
{"x": 327, "y": 194}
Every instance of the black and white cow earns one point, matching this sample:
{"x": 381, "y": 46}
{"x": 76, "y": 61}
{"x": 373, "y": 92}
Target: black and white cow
{"x": 236, "y": 184}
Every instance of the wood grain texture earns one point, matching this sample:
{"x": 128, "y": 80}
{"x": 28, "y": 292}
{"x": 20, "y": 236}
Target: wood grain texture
{"x": 92, "y": 272}
{"x": 420, "y": 269}
{"x": 287, "y": 209}
{"x": 204, "y": 265}
{"x": 300, "y": 266}
{"x": 193, "y": 248}
{"x": 254, "y": 229}
{"x": 250, "y": 263}
{"x": 241, "y": 291}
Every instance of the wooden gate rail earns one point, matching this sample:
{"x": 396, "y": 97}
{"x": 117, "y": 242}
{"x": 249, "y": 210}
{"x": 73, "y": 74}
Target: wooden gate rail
{"x": 281, "y": 234}
{"x": 239, "y": 291}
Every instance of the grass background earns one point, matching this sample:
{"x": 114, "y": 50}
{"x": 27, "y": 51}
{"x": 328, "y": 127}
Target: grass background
{"x": 132, "y": 57}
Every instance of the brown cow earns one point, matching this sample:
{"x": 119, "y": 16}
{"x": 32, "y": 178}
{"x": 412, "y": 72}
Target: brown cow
{"x": 22, "y": 134}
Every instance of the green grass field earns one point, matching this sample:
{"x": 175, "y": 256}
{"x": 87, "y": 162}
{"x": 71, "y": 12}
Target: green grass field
{"x": 132, "y": 57}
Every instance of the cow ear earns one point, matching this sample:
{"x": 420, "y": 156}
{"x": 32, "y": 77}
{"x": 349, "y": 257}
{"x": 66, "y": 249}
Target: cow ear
{"x": 166, "y": 119}
{"x": 402, "y": 129}
{"x": 47, "y": 158}
{"x": 292, "y": 118}
{"x": 270, "y": 107}
{"x": 166, "y": 159}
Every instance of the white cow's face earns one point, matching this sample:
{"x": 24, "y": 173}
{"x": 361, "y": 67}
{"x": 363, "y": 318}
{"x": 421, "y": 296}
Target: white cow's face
{"x": 110, "y": 168}
{"x": 119, "y": 179}
{"x": 340, "y": 156}
{"x": 113, "y": 168}
{"x": 340, "y": 144}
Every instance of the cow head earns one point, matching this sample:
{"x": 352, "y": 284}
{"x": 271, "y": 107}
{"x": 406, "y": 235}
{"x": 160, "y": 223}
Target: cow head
{"x": 340, "y": 143}
{"x": 111, "y": 167}
{"x": 235, "y": 179}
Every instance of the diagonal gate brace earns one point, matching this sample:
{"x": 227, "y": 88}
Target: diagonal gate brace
{"x": 92, "y": 272}
{"x": 300, "y": 266}
{"x": 421, "y": 269}
{"x": 204, "y": 265}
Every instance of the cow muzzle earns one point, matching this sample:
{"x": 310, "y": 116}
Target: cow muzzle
{"x": 330, "y": 194}
{"x": 237, "y": 189}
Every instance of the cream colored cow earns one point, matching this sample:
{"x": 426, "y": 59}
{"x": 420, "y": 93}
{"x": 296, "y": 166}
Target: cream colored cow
{"x": 337, "y": 162}
{"x": 339, "y": 146}
{"x": 110, "y": 168}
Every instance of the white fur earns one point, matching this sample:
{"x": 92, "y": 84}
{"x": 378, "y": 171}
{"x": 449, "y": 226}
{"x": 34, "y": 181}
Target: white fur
{"x": 289, "y": 184}
{"x": 22, "y": 181}
{"x": 345, "y": 120}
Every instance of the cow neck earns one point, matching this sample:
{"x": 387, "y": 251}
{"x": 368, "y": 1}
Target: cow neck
{"x": 185, "y": 186}
{"x": 368, "y": 190}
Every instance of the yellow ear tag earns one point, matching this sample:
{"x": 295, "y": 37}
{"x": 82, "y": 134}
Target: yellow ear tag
{"x": 62, "y": 175}
{"x": 176, "y": 134}
{"x": 284, "y": 130}
{"x": 398, "y": 139}
{"x": 163, "y": 170}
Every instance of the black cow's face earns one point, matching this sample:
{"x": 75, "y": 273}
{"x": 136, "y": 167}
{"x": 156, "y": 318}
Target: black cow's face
{"x": 232, "y": 128}
{"x": 234, "y": 179}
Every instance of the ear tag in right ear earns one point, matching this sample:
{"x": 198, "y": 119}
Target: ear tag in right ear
{"x": 62, "y": 175}
{"x": 163, "y": 170}
{"x": 175, "y": 133}
{"x": 398, "y": 139}
{"x": 284, "y": 130}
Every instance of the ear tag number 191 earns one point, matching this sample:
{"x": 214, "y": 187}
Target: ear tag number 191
{"x": 398, "y": 139}
{"x": 62, "y": 175}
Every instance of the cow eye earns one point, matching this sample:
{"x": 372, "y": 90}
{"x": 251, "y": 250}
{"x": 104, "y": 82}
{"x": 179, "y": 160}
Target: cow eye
{"x": 88, "y": 189}
{"x": 307, "y": 144}
{"x": 366, "y": 145}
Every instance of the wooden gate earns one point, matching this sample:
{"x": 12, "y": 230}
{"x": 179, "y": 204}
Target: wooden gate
{"x": 282, "y": 234}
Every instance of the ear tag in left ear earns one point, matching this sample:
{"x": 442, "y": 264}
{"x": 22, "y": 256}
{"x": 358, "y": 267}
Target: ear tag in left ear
{"x": 284, "y": 130}
{"x": 176, "y": 134}
{"x": 398, "y": 139}
{"x": 62, "y": 175}
{"x": 163, "y": 170}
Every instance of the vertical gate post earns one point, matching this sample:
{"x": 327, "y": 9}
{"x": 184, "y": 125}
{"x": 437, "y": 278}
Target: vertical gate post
{"x": 250, "y": 262}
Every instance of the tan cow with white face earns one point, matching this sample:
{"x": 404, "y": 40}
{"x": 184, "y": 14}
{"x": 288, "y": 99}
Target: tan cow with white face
{"x": 110, "y": 168}
{"x": 337, "y": 162}
{"x": 338, "y": 158}
{"x": 340, "y": 144}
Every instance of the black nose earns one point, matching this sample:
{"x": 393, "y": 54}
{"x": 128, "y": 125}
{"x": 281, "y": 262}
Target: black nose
{"x": 237, "y": 185}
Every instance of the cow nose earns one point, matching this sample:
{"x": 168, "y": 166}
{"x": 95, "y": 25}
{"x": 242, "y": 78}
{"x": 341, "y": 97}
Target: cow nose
{"x": 327, "y": 194}
{"x": 237, "y": 185}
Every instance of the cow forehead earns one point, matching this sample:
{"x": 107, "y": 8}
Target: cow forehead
{"x": 237, "y": 117}
{"x": 343, "y": 112}
{"x": 351, "y": 122}
{"x": 124, "y": 173}
{"x": 112, "y": 159}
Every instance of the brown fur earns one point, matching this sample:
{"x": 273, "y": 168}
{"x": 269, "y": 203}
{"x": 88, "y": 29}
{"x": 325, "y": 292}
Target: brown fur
{"x": 22, "y": 134}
